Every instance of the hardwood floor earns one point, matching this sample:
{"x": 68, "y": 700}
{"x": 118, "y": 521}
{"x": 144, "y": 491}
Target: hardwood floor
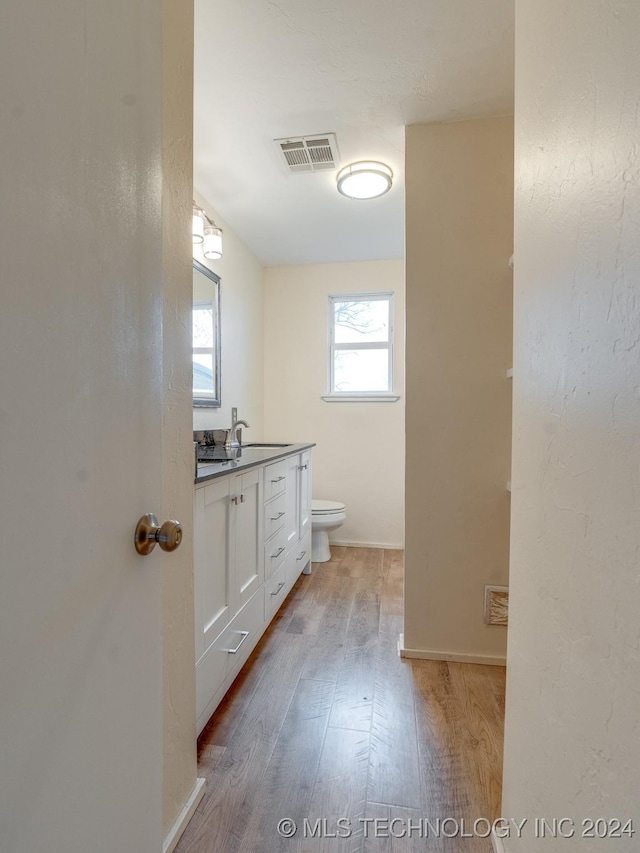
{"x": 326, "y": 722}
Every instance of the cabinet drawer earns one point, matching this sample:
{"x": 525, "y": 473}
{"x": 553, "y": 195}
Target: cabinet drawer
{"x": 274, "y": 516}
{"x": 229, "y": 651}
{"x": 247, "y": 624}
{"x": 275, "y": 479}
{"x": 274, "y": 552}
{"x": 275, "y": 591}
{"x": 297, "y": 559}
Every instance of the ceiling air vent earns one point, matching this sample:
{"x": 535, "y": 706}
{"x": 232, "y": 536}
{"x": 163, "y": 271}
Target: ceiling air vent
{"x": 310, "y": 153}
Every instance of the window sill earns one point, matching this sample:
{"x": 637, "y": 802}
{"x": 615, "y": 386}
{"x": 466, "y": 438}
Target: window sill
{"x": 361, "y": 398}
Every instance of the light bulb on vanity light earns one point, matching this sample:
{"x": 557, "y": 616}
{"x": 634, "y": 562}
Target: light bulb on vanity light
{"x": 212, "y": 249}
{"x": 197, "y": 226}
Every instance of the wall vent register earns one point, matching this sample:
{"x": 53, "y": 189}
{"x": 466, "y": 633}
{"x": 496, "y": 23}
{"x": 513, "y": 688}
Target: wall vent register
{"x": 496, "y": 605}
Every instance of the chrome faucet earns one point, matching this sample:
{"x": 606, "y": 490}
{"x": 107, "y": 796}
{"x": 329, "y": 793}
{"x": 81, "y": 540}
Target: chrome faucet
{"x": 231, "y": 434}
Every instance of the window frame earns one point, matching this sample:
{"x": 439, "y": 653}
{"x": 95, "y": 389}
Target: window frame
{"x": 210, "y": 399}
{"x": 360, "y": 396}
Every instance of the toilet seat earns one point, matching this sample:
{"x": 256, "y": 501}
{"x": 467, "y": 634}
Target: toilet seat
{"x": 319, "y": 508}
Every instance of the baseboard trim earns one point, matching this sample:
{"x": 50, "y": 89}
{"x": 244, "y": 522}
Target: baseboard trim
{"x": 175, "y": 833}
{"x": 454, "y": 657}
{"x": 496, "y": 843}
{"x": 384, "y": 545}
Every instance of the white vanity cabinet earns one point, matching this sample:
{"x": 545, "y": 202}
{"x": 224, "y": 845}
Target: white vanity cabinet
{"x": 228, "y": 551}
{"x": 293, "y": 501}
{"x": 252, "y": 540}
{"x": 228, "y": 576}
{"x": 304, "y": 486}
{"x": 298, "y": 555}
{"x": 298, "y": 498}
{"x": 211, "y": 558}
{"x": 246, "y": 537}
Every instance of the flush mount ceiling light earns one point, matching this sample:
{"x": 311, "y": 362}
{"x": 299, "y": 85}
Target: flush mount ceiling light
{"x": 365, "y": 179}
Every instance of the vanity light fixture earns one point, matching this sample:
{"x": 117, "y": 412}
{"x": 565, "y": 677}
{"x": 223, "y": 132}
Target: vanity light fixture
{"x": 205, "y": 231}
{"x": 197, "y": 227}
{"x": 364, "y": 179}
{"x": 212, "y": 249}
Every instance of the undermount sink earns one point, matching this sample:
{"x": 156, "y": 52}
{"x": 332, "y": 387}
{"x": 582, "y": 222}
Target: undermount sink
{"x": 265, "y": 444}
{"x": 216, "y": 453}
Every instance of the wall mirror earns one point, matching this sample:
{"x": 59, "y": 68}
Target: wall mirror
{"x": 206, "y": 337}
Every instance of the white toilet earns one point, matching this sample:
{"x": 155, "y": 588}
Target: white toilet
{"x": 325, "y": 516}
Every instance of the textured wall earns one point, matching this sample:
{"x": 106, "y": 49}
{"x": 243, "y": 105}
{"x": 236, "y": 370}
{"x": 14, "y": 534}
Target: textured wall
{"x": 359, "y": 458}
{"x": 459, "y": 232}
{"x": 573, "y": 691}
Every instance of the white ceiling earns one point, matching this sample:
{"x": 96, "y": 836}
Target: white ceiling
{"x": 363, "y": 69}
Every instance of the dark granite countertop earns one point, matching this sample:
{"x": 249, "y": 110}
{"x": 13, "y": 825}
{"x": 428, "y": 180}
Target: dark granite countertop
{"x": 244, "y": 457}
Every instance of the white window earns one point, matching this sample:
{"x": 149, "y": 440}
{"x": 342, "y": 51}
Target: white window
{"x": 361, "y": 346}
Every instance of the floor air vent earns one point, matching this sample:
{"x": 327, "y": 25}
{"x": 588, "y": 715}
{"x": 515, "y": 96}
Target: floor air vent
{"x": 309, "y": 153}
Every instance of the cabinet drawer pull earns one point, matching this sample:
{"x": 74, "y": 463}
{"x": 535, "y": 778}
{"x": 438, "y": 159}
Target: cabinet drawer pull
{"x": 277, "y": 554}
{"x": 303, "y": 467}
{"x": 234, "y": 500}
{"x": 280, "y": 585}
{"x": 279, "y": 480}
{"x": 276, "y": 517}
{"x": 244, "y": 634}
{"x": 242, "y": 499}
{"x": 301, "y": 555}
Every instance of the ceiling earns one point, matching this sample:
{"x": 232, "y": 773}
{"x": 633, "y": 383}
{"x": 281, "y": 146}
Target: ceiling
{"x": 363, "y": 69}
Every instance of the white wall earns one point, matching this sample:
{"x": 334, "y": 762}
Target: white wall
{"x": 459, "y": 234}
{"x": 573, "y": 684}
{"x": 241, "y": 311}
{"x": 359, "y": 458}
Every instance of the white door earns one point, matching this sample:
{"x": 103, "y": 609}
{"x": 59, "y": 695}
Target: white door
{"x": 81, "y": 386}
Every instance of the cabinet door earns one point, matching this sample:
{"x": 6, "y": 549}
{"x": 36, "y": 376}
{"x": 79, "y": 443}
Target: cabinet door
{"x": 292, "y": 518}
{"x": 304, "y": 501}
{"x": 248, "y": 560}
{"x": 212, "y": 563}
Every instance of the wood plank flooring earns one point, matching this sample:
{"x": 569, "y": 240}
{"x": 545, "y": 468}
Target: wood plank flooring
{"x": 328, "y": 727}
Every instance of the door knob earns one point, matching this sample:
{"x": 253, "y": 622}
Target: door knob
{"x": 149, "y": 534}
